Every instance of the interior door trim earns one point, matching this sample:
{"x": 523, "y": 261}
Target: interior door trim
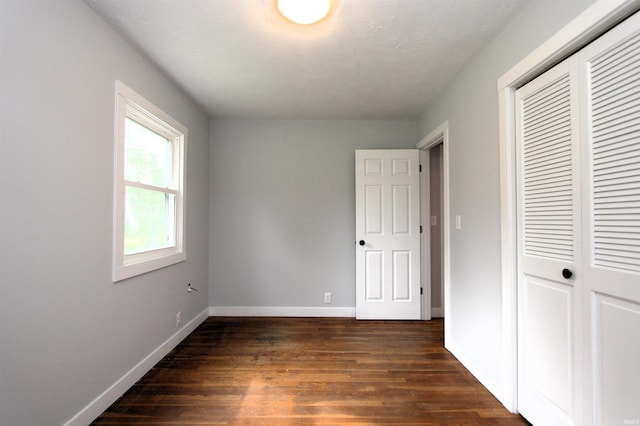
{"x": 438, "y": 135}
{"x": 587, "y": 26}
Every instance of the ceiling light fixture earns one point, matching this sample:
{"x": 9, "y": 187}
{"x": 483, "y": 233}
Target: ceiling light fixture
{"x": 304, "y": 12}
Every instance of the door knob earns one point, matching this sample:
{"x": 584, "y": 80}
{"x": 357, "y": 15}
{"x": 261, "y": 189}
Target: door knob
{"x": 567, "y": 273}
{"x": 361, "y": 242}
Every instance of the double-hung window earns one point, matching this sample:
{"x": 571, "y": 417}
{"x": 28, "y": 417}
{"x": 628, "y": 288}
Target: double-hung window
{"x": 149, "y": 211}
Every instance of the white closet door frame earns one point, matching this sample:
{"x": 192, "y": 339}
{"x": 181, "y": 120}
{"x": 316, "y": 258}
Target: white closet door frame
{"x": 593, "y": 22}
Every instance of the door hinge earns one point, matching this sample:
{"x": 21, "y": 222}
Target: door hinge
{"x": 419, "y": 167}
{"x": 421, "y": 291}
{"x": 421, "y": 229}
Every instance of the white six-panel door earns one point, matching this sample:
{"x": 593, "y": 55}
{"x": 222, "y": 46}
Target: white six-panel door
{"x": 578, "y": 148}
{"x": 387, "y": 234}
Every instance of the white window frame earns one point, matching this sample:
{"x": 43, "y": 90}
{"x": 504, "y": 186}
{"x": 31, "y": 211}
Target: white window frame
{"x": 130, "y": 104}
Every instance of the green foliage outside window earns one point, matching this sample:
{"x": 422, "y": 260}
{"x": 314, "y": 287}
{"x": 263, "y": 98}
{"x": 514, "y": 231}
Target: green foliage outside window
{"x": 149, "y": 212}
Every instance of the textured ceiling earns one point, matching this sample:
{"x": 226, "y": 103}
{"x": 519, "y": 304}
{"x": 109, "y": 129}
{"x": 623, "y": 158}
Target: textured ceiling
{"x": 371, "y": 59}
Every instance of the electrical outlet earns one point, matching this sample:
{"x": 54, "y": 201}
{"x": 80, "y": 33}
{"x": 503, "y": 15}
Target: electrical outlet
{"x": 327, "y": 298}
{"x": 178, "y": 318}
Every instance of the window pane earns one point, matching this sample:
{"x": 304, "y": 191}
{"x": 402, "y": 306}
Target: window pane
{"x": 147, "y": 155}
{"x": 149, "y": 220}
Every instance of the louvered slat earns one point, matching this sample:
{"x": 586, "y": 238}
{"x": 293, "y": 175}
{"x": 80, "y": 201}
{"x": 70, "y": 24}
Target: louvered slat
{"x": 615, "y": 133}
{"x": 547, "y": 172}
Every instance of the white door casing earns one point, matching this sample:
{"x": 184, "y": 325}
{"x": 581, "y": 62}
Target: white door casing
{"x": 387, "y": 234}
{"x": 440, "y": 135}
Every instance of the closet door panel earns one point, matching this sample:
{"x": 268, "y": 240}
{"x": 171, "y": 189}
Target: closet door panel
{"x": 548, "y": 212}
{"x": 610, "y": 89}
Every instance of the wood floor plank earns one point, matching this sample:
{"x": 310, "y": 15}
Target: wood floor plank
{"x": 309, "y": 371}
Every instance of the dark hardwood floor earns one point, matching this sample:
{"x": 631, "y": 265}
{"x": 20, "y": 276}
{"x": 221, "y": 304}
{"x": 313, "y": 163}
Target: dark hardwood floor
{"x": 310, "y": 371}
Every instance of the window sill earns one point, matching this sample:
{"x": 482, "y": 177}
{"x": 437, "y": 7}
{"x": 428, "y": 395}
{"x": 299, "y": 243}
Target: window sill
{"x": 122, "y": 272}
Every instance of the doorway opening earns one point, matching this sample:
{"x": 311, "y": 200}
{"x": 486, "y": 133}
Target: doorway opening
{"x": 436, "y": 231}
{"x": 434, "y": 157}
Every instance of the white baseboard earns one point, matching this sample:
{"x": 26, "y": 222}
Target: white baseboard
{"x": 116, "y": 390}
{"x": 487, "y": 380}
{"x": 274, "y": 311}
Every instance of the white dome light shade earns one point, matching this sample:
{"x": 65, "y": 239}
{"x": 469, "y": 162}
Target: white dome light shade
{"x": 304, "y": 12}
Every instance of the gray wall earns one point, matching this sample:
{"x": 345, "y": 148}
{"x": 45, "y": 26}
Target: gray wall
{"x": 283, "y": 208}
{"x": 67, "y": 332}
{"x": 470, "y": 104}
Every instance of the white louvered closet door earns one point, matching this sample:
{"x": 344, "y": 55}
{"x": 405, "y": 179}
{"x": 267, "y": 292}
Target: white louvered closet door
{"x": 610, "y": 82}
{"x": 548, "y": 153}
{"x": 578, "y": 148}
